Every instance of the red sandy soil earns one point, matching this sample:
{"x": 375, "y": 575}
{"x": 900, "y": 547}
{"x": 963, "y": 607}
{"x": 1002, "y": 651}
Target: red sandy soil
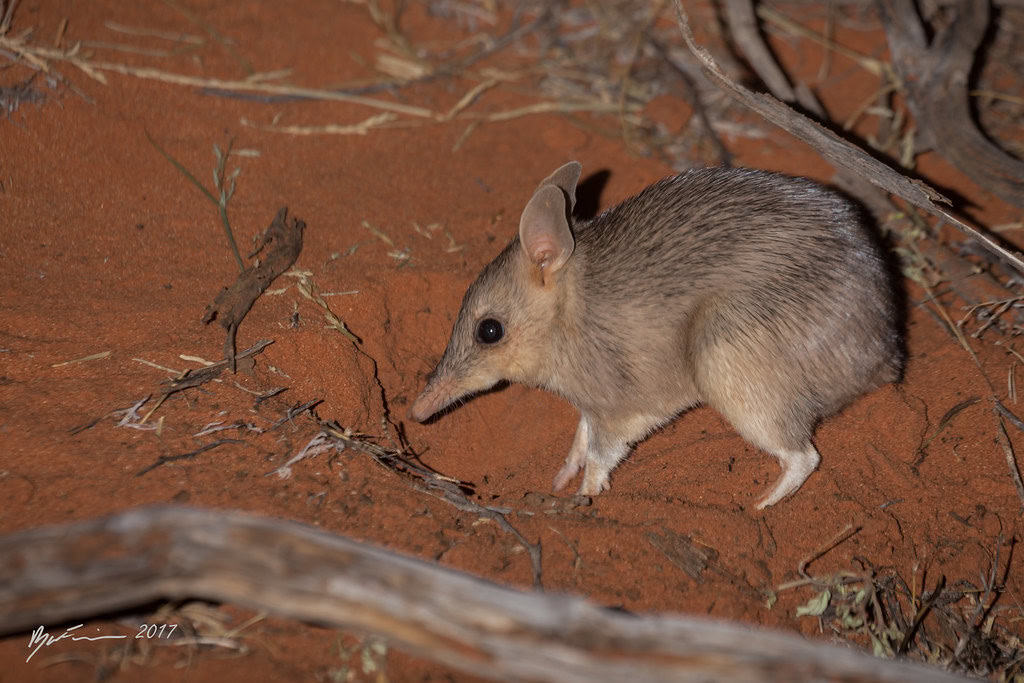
{"x": 107, "y": 248}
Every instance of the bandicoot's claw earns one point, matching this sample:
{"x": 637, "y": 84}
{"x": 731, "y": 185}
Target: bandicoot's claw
{"x": 594, "y": 485}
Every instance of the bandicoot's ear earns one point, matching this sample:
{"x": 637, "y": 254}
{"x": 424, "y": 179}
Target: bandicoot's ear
{"x": 565, "y": 178}
{"x": 544, "y": 231}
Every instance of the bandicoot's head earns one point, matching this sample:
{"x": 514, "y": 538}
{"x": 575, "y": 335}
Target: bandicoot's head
{"x": 503, "y": 328}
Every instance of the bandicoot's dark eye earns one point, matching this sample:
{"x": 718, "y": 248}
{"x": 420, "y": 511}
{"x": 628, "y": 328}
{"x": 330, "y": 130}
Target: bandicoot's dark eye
{"x": 489, "y": 331}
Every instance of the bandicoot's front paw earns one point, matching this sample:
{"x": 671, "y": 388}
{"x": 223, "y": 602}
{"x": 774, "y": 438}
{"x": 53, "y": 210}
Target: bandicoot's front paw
{"x": 594, "y": 484}
{"x": 565, "y": 475}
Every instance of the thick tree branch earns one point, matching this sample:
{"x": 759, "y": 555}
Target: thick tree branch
{"x": 71, "y": 572}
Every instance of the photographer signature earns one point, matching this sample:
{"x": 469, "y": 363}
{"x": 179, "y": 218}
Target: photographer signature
{"x": 40, "y": 639}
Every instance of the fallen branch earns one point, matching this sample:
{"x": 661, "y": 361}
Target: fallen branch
{"x": 72, "y": 572}
{"x": 743, "y": 26}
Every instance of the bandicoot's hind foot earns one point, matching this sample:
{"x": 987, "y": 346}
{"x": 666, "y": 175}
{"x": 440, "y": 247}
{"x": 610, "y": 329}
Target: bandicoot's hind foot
{"x": 796, "y": 467}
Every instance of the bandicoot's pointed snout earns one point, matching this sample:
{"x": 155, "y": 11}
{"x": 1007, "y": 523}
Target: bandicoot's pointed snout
{"x": 416, "y": 413}
{"x": 437, "y": 394}
{"x": 419, "y": 411}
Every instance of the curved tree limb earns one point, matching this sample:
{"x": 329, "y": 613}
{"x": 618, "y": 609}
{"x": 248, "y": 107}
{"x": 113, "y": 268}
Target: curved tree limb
{"x": 935, "y": 77}
{"x": 839, "y": 152}
{"x": 74, "y": 571}
{"x": 971, "y": 284}
{"x": 743, "y": 26}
